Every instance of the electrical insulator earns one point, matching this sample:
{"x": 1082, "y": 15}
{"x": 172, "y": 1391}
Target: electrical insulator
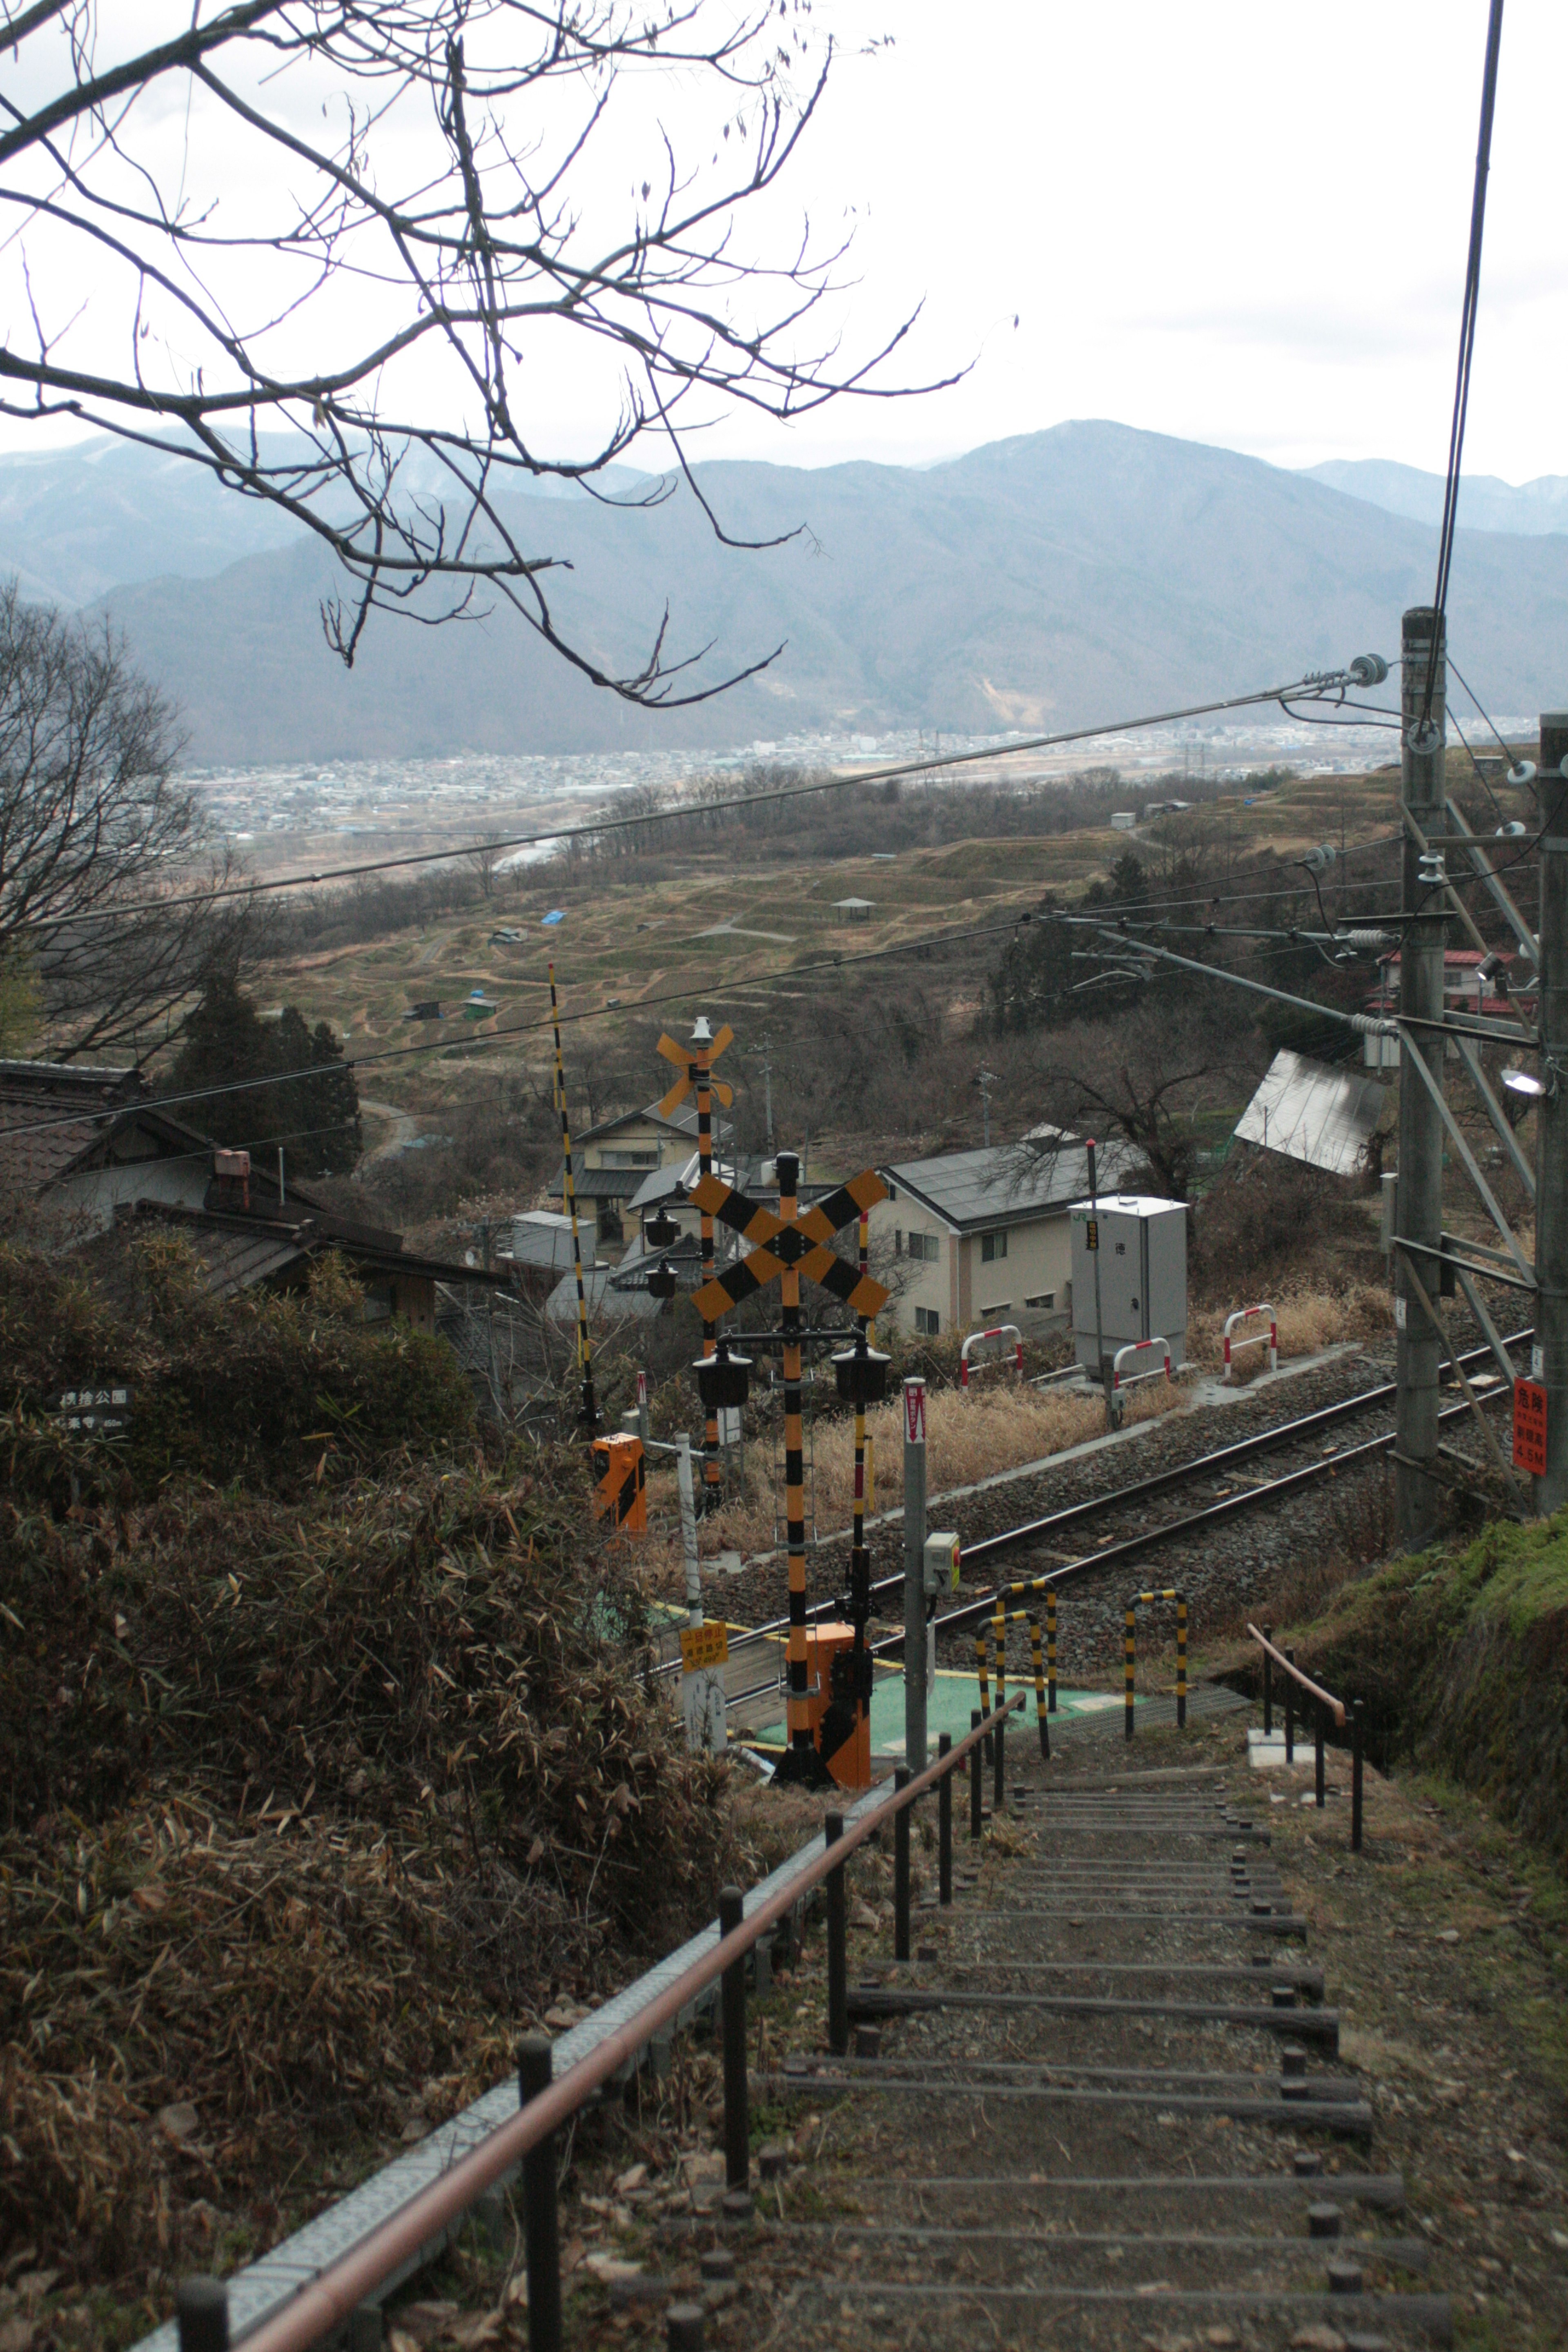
{"x": 1369, "y": 669}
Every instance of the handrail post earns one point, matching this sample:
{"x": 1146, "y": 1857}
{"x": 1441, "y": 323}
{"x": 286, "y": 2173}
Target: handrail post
{"x": 837, "y": 1944}
{"x": 733, "y": 2007}
{"x": 1129, "y": 1660}
{"x": 1319, "y": 1713}
{"x": 1290, "y": 1712}
{"x": 944, "y": 1825}
{"x": 201, "y": 2310}
{"x": 1268, "y": 1686}
{"x": 998, "y": 1757}
{"x": 541, "y": 2235}
{"x": 976, "y": 1779}
{"x": 902, "y": 1869}
{"x": 1356, "y": 1775}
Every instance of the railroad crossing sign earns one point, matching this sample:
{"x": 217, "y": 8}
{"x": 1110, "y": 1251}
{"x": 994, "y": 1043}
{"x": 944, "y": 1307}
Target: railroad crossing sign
{"x": 685, "y": 1063}
{"x": 804, "y": 1243}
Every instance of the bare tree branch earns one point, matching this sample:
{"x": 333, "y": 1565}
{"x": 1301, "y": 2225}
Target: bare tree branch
{"x": 367, "y": 335}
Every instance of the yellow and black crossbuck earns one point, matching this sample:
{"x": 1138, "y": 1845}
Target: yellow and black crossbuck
{"x": 695, "y": 1064}
{"x": 804, "y": 1241}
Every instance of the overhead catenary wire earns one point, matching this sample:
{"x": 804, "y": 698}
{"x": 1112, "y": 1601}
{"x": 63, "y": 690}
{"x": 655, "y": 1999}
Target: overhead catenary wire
{"x": 677, "y": 812}
{"x": 1106, "y": 917}
{"x": 1469, "y": 310}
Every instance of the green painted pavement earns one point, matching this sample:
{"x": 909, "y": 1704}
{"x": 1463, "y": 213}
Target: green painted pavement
{"x": 947, "y": 1709}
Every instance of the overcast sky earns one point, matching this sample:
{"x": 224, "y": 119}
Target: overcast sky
{"x": 1221, "y": 219}
{"x": 1239, "y": 222}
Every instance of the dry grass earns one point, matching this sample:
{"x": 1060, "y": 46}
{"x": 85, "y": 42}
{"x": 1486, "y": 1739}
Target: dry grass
{"x": 1308, "y": 1321}
{"x": 968, "y": 1437}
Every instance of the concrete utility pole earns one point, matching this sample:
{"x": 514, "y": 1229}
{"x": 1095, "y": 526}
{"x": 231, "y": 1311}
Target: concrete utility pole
{"x": 1419, "y": 1215}
{"x": 1552, "y": 1114}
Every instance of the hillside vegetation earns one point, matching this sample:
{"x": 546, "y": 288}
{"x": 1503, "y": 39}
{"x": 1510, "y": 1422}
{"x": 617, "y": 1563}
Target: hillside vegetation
{"x": 320, "y": 1780}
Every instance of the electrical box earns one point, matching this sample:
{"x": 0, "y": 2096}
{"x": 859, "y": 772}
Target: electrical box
{"x": 942, "y": 1554}
{"x": 1139, "y": 1245}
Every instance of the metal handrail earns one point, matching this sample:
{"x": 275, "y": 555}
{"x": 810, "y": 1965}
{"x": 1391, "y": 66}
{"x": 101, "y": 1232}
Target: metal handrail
{"x": 1326, "y": 1698}
{"x": 329, "y": 2299}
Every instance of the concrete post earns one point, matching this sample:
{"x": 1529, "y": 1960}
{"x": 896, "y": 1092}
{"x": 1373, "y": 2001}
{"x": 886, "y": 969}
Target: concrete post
{"x": 915, "y": 1575}
{"x": 1419, "y": 1211}
{"x": 1552, "y": 1114}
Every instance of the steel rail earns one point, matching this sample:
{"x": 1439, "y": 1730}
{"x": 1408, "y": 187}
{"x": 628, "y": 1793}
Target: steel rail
{"x": 1282, "y": 1433}
{"x": 329, "y": 2299}
{"x": 1170, "y": 1530}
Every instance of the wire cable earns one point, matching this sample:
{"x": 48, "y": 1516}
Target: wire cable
{"x": 676, "y": 811}
{"x": 1468, "y": 315}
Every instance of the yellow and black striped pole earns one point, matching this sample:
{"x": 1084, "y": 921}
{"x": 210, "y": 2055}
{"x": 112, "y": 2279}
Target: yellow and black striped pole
{"x": 1181, "y": 1660}
{"x": 1128, "y": 1656}
{"x": 702, "y": 1076}
{"x": 584, "y": 1357}
{"x": 1147, "y": 1601}
{"x": 1040, "y": 1715}
{"x": 861, "y": 1668}
{"x": 1051, "y": 1646}
{"x": 800, "y": 1738}
{"x": 982, "y": 1669}
{"x": 999, "y": 1631}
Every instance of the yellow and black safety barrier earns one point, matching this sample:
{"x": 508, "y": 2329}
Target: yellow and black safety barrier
{"x": 621, "y": 1494}
{"x": 1130, "y": 1649}
{"x": 998, "y": 1644}
{"x": 1042, "y": 1584}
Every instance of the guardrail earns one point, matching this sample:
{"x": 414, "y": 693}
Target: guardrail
{"x": 1000, "y": 1620}
{"x": 1253, "y": 1338}
{"x": 1324, "y": 1704}
{"x": 1123, "y": 1356}
{"x": 1130, "y": 1649}
{"x": 997, "y": 1331}
{"x": 547, "y": 2104}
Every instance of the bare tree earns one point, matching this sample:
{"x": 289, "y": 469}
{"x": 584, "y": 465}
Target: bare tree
{"x": 1149, "y": 1080}
{"x": 435, "y": 212}
{"x": 91, "y": 819}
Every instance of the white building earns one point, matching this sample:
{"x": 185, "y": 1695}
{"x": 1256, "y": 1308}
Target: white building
{"x": 982, "y": 1237}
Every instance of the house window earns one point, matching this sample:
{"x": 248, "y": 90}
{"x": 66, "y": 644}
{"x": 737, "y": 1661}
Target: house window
{"x": 997, "y": 1307}
{"x": 898, "y": 1241}
{"x": 927, "y": 1247}
{"x": 992, "y": 1246}
{"x": 1042, "y": 1298}
{"x": 928, "y": 1322}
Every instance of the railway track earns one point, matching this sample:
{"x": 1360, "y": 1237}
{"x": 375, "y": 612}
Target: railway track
{"x": 1041, "y": 1535}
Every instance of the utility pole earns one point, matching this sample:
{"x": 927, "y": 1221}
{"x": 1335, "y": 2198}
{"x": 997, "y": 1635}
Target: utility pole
{"x": 768, "y": 1090}
{"x": 1418, "y": 1211}
{"x": 1549, "y": 1360}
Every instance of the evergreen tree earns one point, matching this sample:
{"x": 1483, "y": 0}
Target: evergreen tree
{"x": 314, "y": 1113}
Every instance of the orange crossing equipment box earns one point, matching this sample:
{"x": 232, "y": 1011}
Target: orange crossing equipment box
{"x": 621, "y": 1496}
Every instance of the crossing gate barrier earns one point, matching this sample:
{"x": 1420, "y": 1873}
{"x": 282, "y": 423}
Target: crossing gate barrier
{"x": 621, "y": 1494}
{"x": 1130, "y": 1643}
{"x": 1252, "y": 1339}
{"x": 997, "y": 1331}
{"x": 1128, "y": 1355}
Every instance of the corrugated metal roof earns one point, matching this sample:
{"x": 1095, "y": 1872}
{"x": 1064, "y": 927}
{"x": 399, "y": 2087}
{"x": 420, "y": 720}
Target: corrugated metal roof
{"x": 1305, "y": 1110}
{"x": 1009, "y": 1183}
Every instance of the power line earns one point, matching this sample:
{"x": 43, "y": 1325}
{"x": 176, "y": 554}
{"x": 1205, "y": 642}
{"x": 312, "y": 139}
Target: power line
{"x": 1469, "y": 309}
{"x": 1319, "y": 682}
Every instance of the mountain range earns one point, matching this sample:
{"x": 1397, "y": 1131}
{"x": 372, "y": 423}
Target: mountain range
{"x": 1057, "y": 578}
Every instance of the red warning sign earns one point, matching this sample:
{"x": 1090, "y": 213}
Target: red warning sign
{"x": 1529, "y": 1427}
{"x": 914, "y": 1412}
